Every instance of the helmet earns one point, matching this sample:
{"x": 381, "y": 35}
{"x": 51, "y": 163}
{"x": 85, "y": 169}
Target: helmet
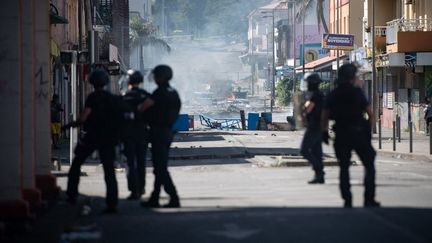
{"x": 163, "y": 73}
{"x": 99, "y": 78}
{"x": 135, "y": 77}
{"x": 313, "y": 80}
{"x": 347, "y": 73}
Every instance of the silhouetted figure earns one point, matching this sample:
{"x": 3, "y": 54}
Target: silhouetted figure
{"x": 95, "y": 119}
{"x": 347, "y": 105}
{"x": 427, "y": 113}
{"x": 136, "y": 144}
{"x": 163, "y": 107}
{"x": 311, "y": 147}
{"x": 56, "y": 110}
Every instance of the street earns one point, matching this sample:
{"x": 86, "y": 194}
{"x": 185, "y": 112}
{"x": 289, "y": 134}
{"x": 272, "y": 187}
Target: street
{"x": 242, "y": 199}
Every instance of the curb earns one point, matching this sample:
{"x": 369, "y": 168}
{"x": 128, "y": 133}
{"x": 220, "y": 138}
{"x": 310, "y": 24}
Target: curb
{"x": 402, "y": 155}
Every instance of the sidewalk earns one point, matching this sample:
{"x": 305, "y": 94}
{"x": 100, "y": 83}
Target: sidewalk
{"x": 222, "y": 144}
{"x": 420, "y": 145}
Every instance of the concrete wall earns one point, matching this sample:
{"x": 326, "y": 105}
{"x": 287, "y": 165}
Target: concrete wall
{"x": 355, "y": 22}
{"x": 25, "y": 145}
{"x": 385, "y": 11}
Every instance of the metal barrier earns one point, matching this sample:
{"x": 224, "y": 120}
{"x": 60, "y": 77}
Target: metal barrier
{"x": 220, "y": 123}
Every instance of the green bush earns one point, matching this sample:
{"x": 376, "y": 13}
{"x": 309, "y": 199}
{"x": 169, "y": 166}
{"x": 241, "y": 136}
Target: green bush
{"x": 284, "y": 89}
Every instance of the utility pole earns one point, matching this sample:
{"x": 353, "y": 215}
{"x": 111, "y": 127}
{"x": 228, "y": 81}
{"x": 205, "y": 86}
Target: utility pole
{"x": 338, "y": 32}
{"x": 74, "y": 106}
{"x": 273, "y": 66}
{"x": 294, "y": 47}
{"x": 374, "y": 80}
{"x": 252, "y": 58}
{"x": 303, "y": 40}
{"x": 374, "y": 84}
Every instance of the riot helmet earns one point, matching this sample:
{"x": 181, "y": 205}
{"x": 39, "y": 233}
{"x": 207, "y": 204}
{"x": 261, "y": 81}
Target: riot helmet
{"x": 99, "y": 78}
{"x": 313, "y": 81}
{"x": 135, "y": 77}
{"x": 162, "y": 73}
{"x": 347, "y": 74}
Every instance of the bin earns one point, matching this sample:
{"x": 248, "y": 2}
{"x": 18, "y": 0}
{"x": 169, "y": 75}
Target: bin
{"x": 268, "y": 117}
{"x": 182, "y": 123}
{"x": 253, "y": 119}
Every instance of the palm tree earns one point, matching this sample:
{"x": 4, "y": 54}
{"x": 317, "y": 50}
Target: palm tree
{"x": 143, "y": 33}
{"x": 304, "y": 6}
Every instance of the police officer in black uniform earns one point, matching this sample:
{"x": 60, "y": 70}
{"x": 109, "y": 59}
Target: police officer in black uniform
{"x": 347, "y": 105}
{"x": 163, "y": 110}
{"x": 97, "y": 136}
{"x": 136, "y": 144}
{"x": 311, "y": 147}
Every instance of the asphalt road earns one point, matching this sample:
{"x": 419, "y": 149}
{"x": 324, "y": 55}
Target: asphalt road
{"x": 234, "y": 200}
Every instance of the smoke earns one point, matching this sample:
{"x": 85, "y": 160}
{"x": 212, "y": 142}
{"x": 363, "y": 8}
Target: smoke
{"x": 205, "y": 66}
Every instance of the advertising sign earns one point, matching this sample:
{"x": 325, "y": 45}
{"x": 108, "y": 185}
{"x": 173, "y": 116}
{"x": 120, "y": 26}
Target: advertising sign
{"x": 313, "y": 52}
{"x": 338, "y": 42}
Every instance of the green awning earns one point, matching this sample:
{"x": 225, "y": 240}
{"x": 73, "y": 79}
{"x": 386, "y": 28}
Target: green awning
{"x": 57, "y": 19}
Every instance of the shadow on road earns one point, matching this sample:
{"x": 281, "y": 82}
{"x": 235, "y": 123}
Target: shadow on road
{"x": 234, "y": 224}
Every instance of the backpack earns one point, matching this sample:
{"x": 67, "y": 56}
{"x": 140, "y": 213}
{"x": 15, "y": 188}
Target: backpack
{"x": 122, "y": 117}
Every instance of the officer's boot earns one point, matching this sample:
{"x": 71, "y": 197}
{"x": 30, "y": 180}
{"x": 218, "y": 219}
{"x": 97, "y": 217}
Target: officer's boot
{"x": 153, "y": 202}
{"x": 318, "y": 178}
{"x": 371, "y": 203}
{"x": 173, "y": 203}
{"x": 348, "y": 203}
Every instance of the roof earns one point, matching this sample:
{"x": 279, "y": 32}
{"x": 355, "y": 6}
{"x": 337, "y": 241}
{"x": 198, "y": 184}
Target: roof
{"x": 320, "y": 63}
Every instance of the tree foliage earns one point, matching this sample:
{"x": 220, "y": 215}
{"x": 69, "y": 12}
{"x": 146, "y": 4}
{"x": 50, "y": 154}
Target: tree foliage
{"x": 305, "y": 6}
{"x": 284, "y": 90}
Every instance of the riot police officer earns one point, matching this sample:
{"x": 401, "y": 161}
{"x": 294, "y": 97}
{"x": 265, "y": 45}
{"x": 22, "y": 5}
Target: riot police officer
{"x": 136, "y": 142}
{"x": 163, "y": 110}
{"x": 347, "y": 105}
{"x": 95, "y": 119}
{"x": 311, "y": 147}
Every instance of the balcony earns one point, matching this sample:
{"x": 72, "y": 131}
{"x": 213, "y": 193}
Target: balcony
{"x": 409, "y": 35}
{"x": 380, "y": 38}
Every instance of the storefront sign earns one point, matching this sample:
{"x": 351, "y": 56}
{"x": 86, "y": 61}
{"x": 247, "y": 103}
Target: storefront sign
{"x": 313, "y": 52}
{"x": 338, "y": 42}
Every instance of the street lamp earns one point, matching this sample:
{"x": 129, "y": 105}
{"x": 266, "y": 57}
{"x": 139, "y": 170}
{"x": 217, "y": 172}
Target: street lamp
{"x": 273, "y": 57}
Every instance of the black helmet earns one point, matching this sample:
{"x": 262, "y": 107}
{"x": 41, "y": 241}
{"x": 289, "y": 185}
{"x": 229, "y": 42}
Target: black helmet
{"x": 162, "y": 72}
{"x": 313, "y": 81}
{"x": 135, "y": 77}
{"x": 347, "y": 73}
{"x": 99, "y": 78}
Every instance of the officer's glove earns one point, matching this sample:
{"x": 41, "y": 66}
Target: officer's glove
{"x": 325, "y": 137}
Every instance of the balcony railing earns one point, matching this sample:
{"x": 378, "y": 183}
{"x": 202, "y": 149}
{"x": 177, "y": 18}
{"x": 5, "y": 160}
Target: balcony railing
{"x": 404, "y": 25}
{"x": 380, "y": 30}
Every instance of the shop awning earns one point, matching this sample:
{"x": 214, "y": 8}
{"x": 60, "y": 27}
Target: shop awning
{"x": 322, "y": 64}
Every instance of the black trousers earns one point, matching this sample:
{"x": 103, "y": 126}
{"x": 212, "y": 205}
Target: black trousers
{"x": 311, "y": 149}
{"x": 359, "y": 140}
{"x": 106, "y": 151}
{"x": 135, "y": 152}
{"x": 161, "y": 139}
